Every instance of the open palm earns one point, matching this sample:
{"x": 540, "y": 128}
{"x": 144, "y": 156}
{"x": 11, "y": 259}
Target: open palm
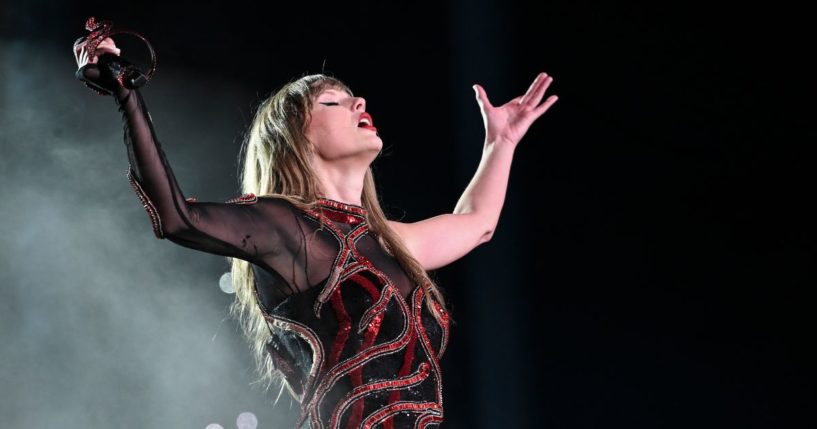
{"x": 510, "y": 122}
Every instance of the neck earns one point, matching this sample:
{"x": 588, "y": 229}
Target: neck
{"x": 341, "y": 183}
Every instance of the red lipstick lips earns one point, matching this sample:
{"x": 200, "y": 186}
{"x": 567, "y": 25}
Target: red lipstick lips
{"x": 365, "y": 121}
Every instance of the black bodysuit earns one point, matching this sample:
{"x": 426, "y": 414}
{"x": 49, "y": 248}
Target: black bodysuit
{"x": 349, "y": 329}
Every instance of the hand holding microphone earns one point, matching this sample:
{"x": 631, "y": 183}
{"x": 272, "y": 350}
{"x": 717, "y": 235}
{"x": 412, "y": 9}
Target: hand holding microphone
{"x": 99, "y": 63}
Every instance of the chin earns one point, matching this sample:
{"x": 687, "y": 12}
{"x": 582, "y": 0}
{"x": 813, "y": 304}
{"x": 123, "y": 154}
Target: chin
{"x": 374, "y": 143}
{"x": 373, "y": 150}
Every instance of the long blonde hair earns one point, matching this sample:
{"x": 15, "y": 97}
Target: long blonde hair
{"x": 276, "y": 162}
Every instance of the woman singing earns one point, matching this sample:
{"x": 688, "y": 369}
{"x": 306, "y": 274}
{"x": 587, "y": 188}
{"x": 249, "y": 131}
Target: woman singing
{"x": 334, "y": 297}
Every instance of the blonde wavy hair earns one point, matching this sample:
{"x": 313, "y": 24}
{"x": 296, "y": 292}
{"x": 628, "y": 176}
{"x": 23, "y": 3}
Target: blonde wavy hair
{"x": 276, "y": 162}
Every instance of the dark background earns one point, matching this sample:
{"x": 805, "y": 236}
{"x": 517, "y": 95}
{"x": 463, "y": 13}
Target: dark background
{"x": 654, "y": 263}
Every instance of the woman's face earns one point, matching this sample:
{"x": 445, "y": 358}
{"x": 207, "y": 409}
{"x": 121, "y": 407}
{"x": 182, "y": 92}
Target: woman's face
{"x": 334, "y": 127}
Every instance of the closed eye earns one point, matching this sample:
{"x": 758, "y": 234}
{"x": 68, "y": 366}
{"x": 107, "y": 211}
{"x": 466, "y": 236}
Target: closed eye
{"x": 330, "y": 103}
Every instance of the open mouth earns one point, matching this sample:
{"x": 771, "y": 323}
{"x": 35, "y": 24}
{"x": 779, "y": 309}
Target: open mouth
{"x": 366, "y": 122}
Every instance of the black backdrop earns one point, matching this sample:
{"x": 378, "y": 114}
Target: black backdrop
{"x": 654, "y": 263}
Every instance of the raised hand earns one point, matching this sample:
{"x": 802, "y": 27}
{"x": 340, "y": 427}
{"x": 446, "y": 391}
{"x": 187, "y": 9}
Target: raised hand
{"x": 107, "y": 46}
{"x": 509, "y": 123}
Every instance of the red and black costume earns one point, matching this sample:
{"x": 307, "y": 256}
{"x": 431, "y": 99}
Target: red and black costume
{"x": 349, "y": 329}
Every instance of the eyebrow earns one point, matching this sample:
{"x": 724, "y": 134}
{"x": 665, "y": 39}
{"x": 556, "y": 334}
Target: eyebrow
{"x": 334, "y": 90}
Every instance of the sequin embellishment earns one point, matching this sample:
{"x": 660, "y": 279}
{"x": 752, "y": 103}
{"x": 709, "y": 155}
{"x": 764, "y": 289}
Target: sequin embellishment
{"x": 344, "y": 353}
{"x": 244, "y": 199}
{"x": 155, "y": 220}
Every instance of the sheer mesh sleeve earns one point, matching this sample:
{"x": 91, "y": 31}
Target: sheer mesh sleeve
{"x": 269, "y": 232}
{"x": 245, "y": 228}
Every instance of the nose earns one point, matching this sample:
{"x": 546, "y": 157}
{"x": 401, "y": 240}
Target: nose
{"x": 359, "y": 104}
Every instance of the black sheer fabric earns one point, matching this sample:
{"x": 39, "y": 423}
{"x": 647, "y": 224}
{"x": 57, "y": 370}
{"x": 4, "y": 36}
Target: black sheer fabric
{"x": 349, "y": 330}
{"x": 291, "y": 253}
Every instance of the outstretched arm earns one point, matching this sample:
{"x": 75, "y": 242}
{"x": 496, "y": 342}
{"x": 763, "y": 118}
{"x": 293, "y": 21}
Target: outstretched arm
{"x": 443, "y": 239}
{"x": 243, "y": 228}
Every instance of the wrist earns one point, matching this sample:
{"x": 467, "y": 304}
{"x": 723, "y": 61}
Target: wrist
{"x": 121, "y": 93}
{"x": 500, "y": 143}
{"x": 498, "y": 150}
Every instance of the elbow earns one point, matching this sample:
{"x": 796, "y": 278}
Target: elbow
{"x": 165, "y": 233}
{"x": 171, "y": 230}
{"x": 486, "y": 236}
{"x": 163, "y": 227}
{"x": 159, "y": 230}
{"x": 168, "y": 227}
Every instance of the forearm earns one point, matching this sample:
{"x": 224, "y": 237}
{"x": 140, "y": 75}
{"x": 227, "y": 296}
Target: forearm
{"x": 149, "y": 172}
{"x": 485, "y": 194}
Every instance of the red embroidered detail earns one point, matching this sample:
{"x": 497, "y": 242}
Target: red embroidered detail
{"x": 426, "y": 343}
{"x": 345, "y": 326}
{"x": 346, "y": 270}
{"x": 99, "y": 31}
{"x": 407, "y": 358}
{"x": 360, "y": 391}
{"x": 368, "y": 340}
{"x": 392, "y": 409}
{"x": 340, "y": 269}
{"x": 334, "y": 374}
{"x": 307, "y": 335}
{"x": 427, "y": 419}
{"x": 244, "y": 199}
{"x": 343, "y": 218}
{"x": 376, "y": 309}
{"x": 444, "y": 326}
{"x": 155, "y": 220}
{"x": 356, "y": 213}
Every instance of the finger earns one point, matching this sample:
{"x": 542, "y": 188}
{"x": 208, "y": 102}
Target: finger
{"x": 77, "y": 49}
{"x": 482, "y": 97}
{"x": 532, "y": 87}
{"x": 542, "y": 78}
{"x": 107, "y": 50}
{"x": 537, "y": 112}
{"x": 539, "y": 92}
{"x": 85, "y": 57}
{"x": 108, "y": 44}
